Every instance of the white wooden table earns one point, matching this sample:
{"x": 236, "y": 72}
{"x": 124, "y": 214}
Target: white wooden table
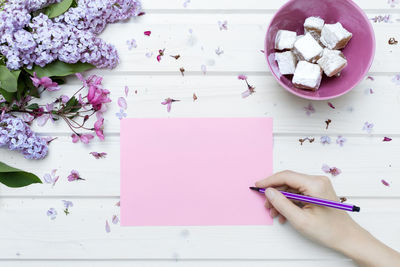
{"x": 28, "y": 237}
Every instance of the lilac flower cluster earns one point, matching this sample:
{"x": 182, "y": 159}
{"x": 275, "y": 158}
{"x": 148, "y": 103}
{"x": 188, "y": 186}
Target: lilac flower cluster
{"x": 17, "y": 135}
{"x": 71, "y": 37}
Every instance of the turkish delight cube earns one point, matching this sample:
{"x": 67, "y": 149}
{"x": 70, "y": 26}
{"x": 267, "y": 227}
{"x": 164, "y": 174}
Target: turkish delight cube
{"x": 307, "y": 76}
{"x": 332, "y": 62}
{"x": 286, "y": 62}
{"x": 284, "y": 39}
{"x": 334, "y": 36}
{"x": 307, "y": 48}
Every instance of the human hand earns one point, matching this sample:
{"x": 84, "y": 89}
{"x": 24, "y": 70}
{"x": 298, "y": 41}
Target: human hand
{"x": 331, "y": 227}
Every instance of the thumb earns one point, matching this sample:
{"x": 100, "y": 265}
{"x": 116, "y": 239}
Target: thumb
{"x": 283, "y": 205}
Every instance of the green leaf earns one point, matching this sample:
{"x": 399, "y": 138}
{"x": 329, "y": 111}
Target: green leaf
{"x": 72, "y": 105}
{"x": 58, "y": 9}
{"x": 59, "y": 68}
{"x": 33, "y": 106}
{"x": 9, "y": 97}
{"x": 13, "y": 177}
{"x": 9, "y": 79}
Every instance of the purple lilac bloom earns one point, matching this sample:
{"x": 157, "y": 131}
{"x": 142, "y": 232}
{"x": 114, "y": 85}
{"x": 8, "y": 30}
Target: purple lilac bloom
{"x": 15, "y": 134}
{"x": 71, "y": 37}
{"x": 325, "y": 140}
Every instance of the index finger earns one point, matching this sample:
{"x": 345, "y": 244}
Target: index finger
{"x": 298, "y": 181}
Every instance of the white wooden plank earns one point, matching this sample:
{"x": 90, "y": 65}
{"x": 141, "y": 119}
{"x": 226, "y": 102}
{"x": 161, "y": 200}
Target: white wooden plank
{"x": 27, "y": 233}
{"x": 179, "y": 262}
{"x": 220, "y": 96}
{"x": 242, "y": 6}
{"x": 363, "y": 161}
{"x": 241, "y": 43}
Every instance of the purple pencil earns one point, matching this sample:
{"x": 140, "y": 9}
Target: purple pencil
{"x": 314, "y": 200}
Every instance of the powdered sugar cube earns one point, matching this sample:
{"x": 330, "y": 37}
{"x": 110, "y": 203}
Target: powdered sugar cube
{"x": 285, "y": 39}
{"x": 332, "y": 62}
{"x": 334, "y": 36}
{"x": 286, "y": 62}
{"x": 307, "y": 76}
{"x": 307, "y": 48}
{"x": 313, "y": 24}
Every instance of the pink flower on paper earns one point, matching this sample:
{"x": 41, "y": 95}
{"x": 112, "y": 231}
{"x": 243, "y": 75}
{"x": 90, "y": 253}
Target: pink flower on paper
{"x": 332, "y": 170}
{"x": 98, "y": 128}
{"x": 45, "y": 82}
{"x": 331, "y": 105}
{"x": 74, "y": 176}
{"x": 385, "y": 183}
{"x": 51, "y": 178}
{"x": 98, "y": 155}
{"x": 386, "y": 139}
{"x": 340, "y": 140}
{"x": 126, "y": 90}
{"x": 122, "y": 103}
{"x": 107, "y": 227}
{"x": 223, "y": 25}
{"x": 309, "y": 109}
{"x": 168, "y": 102}
{"x": 147, "y": 33}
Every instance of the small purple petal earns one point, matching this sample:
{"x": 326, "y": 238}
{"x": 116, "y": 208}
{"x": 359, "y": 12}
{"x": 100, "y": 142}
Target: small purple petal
{"x": 385, "y": 183}
{"x": 126, "y": 91}
{"x": 386, "y": 139}
{"x": 122, "y": 103}
{"x": 108, "y": 229}
{"x": 115, "y": 219}
{"x": 309, "y": 109}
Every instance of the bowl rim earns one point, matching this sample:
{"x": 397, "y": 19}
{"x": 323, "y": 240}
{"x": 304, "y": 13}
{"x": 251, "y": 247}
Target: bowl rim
{"x": 371, "y": 30}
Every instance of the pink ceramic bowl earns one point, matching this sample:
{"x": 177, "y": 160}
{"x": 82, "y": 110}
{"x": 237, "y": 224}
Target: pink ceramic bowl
{"x": 359, "y": 51}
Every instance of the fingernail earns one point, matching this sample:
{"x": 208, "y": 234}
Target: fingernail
{"x": 270, "y": 193}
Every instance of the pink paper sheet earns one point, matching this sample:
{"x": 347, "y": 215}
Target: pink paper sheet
{"x": 188, "y": 171}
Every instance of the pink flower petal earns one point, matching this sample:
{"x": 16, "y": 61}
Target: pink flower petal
{"x": 108, "y": 229}
{"x": 385, "y": 183}
{"x": 122, "y": 103}
{"x": 147, "y": 33}
{"x": 386, "y": 139}
{"x": 115, "y": 219}
{"x": 331, "y": 105}
{"x": 126, "y": 91}
{"x": 242, "y": 77}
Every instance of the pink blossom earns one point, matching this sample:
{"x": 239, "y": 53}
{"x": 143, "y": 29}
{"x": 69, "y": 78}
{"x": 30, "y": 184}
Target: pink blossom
{"x": 74, "y": 176}
{"x": 45, "y": 82}
{"x": 75, "y": 138}
{"x": 385, "y": 183}
{"x": 98, "y": 128}
{"x": 242, "y": 77}
{"x": 98, "y": 155}
{"x": 386, "y": 139}
{"x": 42, "y": 120}
{"x": 168, "y": 102}
{"x": 332, "y": 170}
{"x": 126, "y": 90}
{"x": 98, "y": 96}
{"x": 85, "y": 138}
{"x": 64, "y": 99}
{"x": 122, "y": 103}
{"x": 158, "y": 58}
{"x": 147, "y": 33}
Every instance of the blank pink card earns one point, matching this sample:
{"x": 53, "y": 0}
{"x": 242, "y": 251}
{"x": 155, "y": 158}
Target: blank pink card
{"x": 194, "y": 171}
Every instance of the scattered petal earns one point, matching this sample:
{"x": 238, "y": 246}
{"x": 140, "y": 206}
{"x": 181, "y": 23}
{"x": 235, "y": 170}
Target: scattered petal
{"x": 242, "y": 77}
{"x": 121, "y": 114}
{"x": 67, "y": 205}
{"x": 149, "y": 54}
{"x": 385, "y": 183}
{"x": 182, "y": 70}
{"x": 194, "y": 97}
{"x": 131, "y": 44}
{"x": 186, "y": 3}
{"x": 160, "y": 54}
{"x": 126, "y": 91}
{"x": 74, "y": 176}
{"x": 115, "y": 219}
{"x": 331, "y": 105}
{"x": 382, "y": 18}
{"x": 396, "y": 79}
{"x": 262, "y": 51}
{"x": 118, "y": 204}
{"x": 223, "y": 25}
{"x": 98, "y": 155}
{"x": 327, "y": 122}
{"x": 302, "y": 140}
{"x": 393, "y": 41}
{"x": 368, "y": 127}
{"x": 333, "y": 171}
{"x": 52, "y": 213}
{"x": 203, "y": 69}
{"x": 51, "y": 178}
{"x": 168, "y": 102}
{"x": 219, "y": 51}
{"x": 147, "y": 33}
{"x": 325, "y": 140}
{"x": 309, "y": 109}
{"x": 122, "y": 103}
{"x": 386, "y": 139}
{"x": 176, "y": 56}
{"x": 370, "y": 78}
{"x": 340, "y": 140}
{"x": 108, "y": 229}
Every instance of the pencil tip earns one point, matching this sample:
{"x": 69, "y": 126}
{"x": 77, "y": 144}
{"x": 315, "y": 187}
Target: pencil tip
{"x": 254, "y": 188}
